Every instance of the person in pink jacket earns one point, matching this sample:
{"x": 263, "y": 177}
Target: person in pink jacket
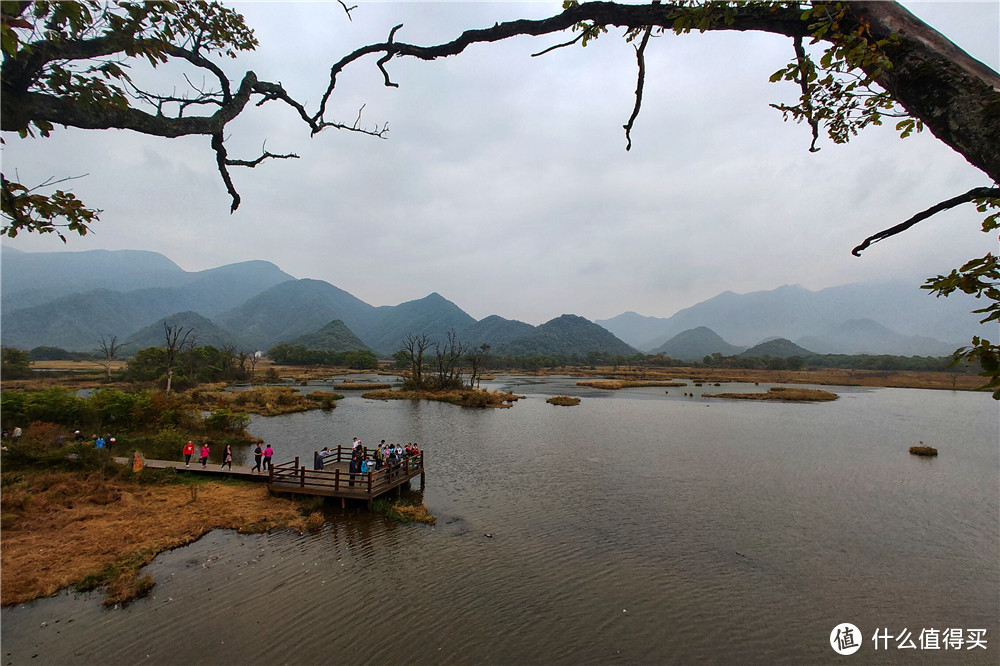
{"x": 268, "y": 452}
{"x": 205, "y": 452}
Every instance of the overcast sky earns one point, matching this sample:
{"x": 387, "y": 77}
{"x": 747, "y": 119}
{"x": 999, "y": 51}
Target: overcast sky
{"x": 504, "y": 184}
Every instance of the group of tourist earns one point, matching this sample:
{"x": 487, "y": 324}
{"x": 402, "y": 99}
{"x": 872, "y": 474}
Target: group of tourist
{"x": 262, "y": 456}
{"x": 362, "y": 462}
{"x": 105, "y": 441}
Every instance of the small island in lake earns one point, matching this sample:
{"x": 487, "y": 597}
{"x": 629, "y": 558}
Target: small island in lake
{"x": 615, "y": 384}
{"x": 780, "y": 393}
{"x": 563, "y": 400}
{"x": 463, "y": 397}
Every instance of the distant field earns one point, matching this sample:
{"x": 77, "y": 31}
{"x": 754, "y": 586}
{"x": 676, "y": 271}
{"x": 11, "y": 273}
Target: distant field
{"x": 88, "y": 371}
{"x": 77, "y": 366}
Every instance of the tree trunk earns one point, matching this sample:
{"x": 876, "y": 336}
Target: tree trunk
{"x": 956, "y": 96}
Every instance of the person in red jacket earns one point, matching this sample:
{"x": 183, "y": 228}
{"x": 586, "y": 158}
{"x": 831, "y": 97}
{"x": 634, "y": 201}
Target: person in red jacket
{"x": 188, "y": 452}
{"x": 205, "y": 452}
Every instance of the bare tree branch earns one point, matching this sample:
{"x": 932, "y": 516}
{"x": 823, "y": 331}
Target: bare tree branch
{"x": 264, "y": 155}
{"x": 219, "y": 146}
{"x": 936, "y": 82}
{"x": 968, "y": 197}
{"x": 640, "y": 57}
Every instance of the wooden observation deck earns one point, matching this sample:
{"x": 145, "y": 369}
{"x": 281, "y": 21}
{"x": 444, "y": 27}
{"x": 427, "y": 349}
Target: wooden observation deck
{"x": 335, "y": 479}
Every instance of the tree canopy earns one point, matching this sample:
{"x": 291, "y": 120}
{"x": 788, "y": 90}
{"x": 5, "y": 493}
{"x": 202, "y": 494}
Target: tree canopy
{"x": 74, "y": 64}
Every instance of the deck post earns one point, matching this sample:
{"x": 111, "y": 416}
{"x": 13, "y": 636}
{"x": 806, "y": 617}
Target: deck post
{"x": 369, "y": 475}
{"x": 336, "y": 479}
{"x": 302, "y": 476}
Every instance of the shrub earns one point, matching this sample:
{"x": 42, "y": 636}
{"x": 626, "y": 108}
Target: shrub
{"x": 227, "y": 420}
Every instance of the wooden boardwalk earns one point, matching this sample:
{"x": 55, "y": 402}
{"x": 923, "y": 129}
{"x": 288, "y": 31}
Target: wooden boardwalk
{"x": 335, "y": 479}
{"x": 212, "y": 469}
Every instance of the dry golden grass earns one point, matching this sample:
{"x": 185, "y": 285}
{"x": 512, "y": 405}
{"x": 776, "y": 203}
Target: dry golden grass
{"x": 825, "y": 376}
{"x": 780, "y": 393}
{"x": 563, "y": 400}
{"x": 414, "y": 514}
{"x": 61, "y": 530}
{"x": 361, "y": 386}
{"x": 923, "y": 451}
{"x": 615, "y": 384}
{"x": 78, "y": 366}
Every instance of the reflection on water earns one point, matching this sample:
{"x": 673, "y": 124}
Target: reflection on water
{"x": 638, "y": 527}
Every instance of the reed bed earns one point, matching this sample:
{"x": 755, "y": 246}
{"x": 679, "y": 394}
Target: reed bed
{"x": 780, "y": 393}
{"x": 615, "y": 384}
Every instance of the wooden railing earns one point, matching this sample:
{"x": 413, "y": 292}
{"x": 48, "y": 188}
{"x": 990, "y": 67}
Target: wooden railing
{"x": 371, "y": 483}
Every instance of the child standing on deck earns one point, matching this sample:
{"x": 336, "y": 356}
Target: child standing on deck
{"x": 205, "y": 452}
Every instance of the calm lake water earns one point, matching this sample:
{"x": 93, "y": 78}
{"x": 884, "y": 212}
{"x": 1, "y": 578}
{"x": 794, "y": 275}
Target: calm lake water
{"x": 640, "y": 527}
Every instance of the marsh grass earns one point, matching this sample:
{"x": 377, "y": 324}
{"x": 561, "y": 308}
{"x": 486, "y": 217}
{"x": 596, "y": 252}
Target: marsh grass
{"x": 780, "y": 393}
{"x": 64, "y": 529}
{"x": 616, "y": 384}
{"x": 403, "y": 512}
{"x": 361, "y": 386}
{"x": 563, "y": 400}
{"x": 927, "y": 451}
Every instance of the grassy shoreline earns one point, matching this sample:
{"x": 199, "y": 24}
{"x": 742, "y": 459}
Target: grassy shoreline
{"x": 86, "y": 531}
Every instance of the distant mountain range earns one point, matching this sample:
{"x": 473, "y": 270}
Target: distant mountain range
{"x": 73, "y": 299}
{"x": 883, "y": 318}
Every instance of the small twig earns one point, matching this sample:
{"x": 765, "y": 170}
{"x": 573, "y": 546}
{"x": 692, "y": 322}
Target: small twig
{"x": 559, "y": 46}
{"x": 264, "y": 155}
{"x": 968, "y": 197}
{"x": 52, "y": 180}
{"x": 347, "y": 9}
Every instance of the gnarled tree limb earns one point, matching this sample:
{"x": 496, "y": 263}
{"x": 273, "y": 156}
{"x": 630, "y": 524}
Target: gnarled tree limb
{"x": 968, "y": 197}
